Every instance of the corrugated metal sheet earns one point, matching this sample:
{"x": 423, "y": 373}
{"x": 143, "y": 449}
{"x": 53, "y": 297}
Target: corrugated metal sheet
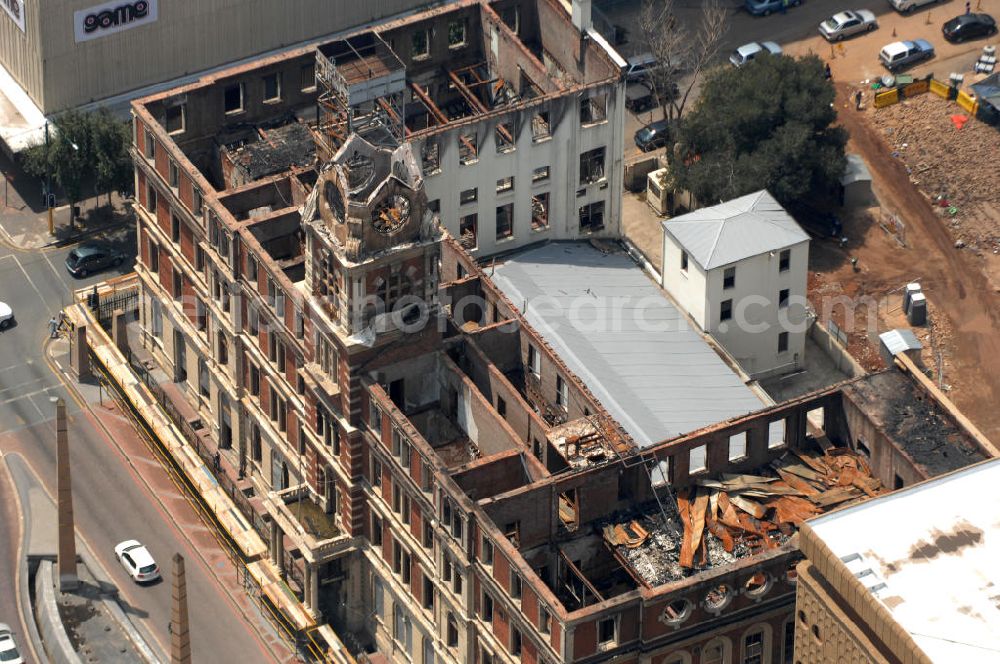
{"x": 746, "y": 226}
{"x": 899, "y": 341}
{"x": 616, "y": 330}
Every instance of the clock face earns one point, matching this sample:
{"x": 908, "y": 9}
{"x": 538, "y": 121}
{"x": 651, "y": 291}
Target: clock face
{"x": 391, "y": 215}
{"x": 360, "y": 171}
{"x": 334, "y": 200}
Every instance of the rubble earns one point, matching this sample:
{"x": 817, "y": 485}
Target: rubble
{"x": 720, "y": 520}
{"x": 957, "y": 165}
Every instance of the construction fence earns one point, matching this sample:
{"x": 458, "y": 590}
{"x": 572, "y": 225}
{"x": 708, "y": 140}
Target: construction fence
{"x": 968, "y": 103}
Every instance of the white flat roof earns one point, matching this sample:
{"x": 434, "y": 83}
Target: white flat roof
{"x": 617, "y": 331}
{"x": 934, "y": 550}
{"x": 22, "y": 123}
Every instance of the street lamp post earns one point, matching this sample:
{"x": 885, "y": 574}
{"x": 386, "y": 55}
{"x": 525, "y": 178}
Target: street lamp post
{"x": 48, "y": 182}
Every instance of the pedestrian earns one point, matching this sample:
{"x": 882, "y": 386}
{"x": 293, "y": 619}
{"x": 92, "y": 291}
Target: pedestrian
{"x": 53, "y": 328}
{"x": 857, "y": 100}
{"x": 854, "y": 264}
{"x": 826, "y": 71}
{"x": 784, "y": 6}
{"x": 968, "y": 6}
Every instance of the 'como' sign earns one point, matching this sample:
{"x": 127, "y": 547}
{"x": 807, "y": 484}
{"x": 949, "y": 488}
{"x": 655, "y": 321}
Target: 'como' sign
{"x": 112, "y": 17}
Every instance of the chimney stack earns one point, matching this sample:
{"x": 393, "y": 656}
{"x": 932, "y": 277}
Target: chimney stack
{"x": 582, "y": 18}
{"x": 180, "y": 639}
{"x": 67, "y": 532}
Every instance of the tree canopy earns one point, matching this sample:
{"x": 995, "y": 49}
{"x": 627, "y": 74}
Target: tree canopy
{"x": 84, "y": 148}
{"x": 766, "y": 125}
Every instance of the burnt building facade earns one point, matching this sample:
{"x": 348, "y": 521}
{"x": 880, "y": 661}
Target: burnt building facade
{"x": 430, "y": 474}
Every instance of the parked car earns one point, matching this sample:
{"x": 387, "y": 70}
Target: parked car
{"x": 907, "y": 6}
{"x": 652, "y": 136}
{"x": 6, "y": 320}
{"x": 767, "y": 7}
{"x": 639, "y": 97}
{"x": 137, "y": 561}
{"x": 8, "y": 647}
{"x": 843, "y": 25}
{"x": 91, "y": 257}
{"x": 748, "y": 52}
{"x": 639, "y": 66}
{"x": 904, "y": 53}
{"x": 969, "y": 26}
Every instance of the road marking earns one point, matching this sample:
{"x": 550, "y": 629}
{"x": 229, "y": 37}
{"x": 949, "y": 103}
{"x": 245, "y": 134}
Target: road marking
{"x": 21, "y": 385}
{"x": 257, "y": 623}
{"x": 29, "y": 395}
{"x": 59, "y": 277}
{"x": 25, "y": 273}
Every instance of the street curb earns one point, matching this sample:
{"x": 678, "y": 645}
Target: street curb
{"x": 24, "y": 593}
{"x": 73, "y": 239}
{"x": 61, "y": 648}
{"x": 109, "y": 591}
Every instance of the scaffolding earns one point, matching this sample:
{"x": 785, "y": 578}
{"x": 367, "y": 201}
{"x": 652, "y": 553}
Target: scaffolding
{"x": 362, "y": 91}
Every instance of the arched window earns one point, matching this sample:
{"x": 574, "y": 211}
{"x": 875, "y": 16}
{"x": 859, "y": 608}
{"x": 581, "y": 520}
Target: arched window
{"x": 755, "y": 645}
{"x": 717, "y": 651}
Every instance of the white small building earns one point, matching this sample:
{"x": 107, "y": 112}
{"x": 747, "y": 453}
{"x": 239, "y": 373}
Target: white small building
{"x": 739, "y": 269}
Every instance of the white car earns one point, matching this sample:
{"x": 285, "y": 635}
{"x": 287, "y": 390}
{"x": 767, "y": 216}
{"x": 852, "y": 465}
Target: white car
{"x": 137, "y": 561}
{"x": 748, "y": 52}
{"x": 8, "y": 647}
{"x": 845, "y": 24}
{"x": 6, "y": 320}
{"x": 906, "y": 6}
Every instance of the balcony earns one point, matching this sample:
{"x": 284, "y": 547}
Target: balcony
{"x": 299, "y": 514}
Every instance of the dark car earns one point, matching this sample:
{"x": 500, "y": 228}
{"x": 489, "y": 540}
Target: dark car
{"x": 969, "y": 26}
{"x": 639, "y": 97}
{"x": 652, "y": 136}
{"x": 92, "y": 257}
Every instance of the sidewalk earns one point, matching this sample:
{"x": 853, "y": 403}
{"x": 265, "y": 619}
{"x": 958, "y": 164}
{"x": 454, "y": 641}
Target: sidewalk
{"x": 24, "y": 221}
{"x": 259, "y": 570}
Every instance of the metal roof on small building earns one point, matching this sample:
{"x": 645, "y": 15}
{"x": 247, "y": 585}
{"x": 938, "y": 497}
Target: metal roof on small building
{"x": 743, "y": 227}
{"x": 900, "y": 341}
{"x": 617, "y": 331}
{"x": 857, "y": 171}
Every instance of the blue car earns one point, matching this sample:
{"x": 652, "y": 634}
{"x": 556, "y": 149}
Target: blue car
{"x": 766, "y": 7}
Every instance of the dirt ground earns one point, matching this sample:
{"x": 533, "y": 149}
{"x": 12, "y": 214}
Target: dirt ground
{"x": 962, "y": 341}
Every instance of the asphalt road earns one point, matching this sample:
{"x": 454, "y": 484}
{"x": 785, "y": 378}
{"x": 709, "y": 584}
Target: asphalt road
{"x": 120, "y": 489}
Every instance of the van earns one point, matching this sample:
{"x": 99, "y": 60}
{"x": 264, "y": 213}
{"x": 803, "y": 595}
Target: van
{"x": 639, "y": 66}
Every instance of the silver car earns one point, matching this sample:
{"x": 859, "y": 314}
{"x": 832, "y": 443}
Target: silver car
{"x": 748, "y": 52}
{"x": 847, "y": 23}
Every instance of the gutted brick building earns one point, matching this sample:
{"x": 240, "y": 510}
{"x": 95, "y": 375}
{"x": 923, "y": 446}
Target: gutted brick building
{"x": 438, "y": 478}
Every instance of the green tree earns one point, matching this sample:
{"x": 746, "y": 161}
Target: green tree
{"x": 84, "y": 148}
{"x": 767, "y": 125}
{"x": 112, "y": 166}
{"x": 71, "y": 153}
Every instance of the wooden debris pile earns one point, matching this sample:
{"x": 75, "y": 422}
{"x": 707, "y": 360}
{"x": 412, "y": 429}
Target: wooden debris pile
{"x": 761, "y": 512}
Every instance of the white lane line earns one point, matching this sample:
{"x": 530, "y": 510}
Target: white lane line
{"x": 25, "y": 273}
{"x": 21, "y": 385}
{"x": 59, "y": 277}
{"x": 30, "y": 394}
